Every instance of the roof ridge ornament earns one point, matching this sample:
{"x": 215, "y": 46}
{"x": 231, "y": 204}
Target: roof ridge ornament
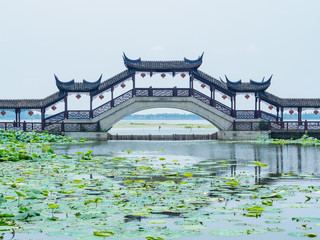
{"x": 233, "y": 83}
{"x": 93, "y": 83}
{"x": 268, "y": 82}
{"x": 126, "y": 59}
{"x": 199, "y": 60}
{"x": 58, "y": 82}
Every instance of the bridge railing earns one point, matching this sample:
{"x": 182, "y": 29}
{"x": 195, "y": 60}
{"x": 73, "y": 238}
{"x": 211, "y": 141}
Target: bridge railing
{"x": 276, "y": 125}
{"x": 51, "y": 127}
{"x": 78, "y": 114}
{"x": 245, "y": 114}
{"x": 162, "y": 92}
{"x": 55, "y": 118}
{"x": 268, "y": 116}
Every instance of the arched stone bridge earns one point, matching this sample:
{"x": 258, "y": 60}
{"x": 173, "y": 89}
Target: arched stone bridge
{"x": 191, "y": 89}
{"x": 221, "y": 120}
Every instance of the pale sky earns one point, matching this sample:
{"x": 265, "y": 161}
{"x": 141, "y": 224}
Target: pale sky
{"x": 78, "y": 39}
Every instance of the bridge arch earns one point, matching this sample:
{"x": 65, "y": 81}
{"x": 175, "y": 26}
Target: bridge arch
{"x": 219, "y": 119}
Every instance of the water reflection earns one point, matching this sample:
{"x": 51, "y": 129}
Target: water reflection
{"x": 238, "y": 157}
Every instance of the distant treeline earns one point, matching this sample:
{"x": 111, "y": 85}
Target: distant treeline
{"x": 308, "y": 116}
{"x": 173, "y": 116}
{"x": 164, "y": 116}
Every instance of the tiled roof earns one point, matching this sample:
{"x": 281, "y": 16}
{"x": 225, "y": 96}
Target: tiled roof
{"x": 214, "y": 81}
{"x": 73, "y": 86}
{"x": 290, "y": 102}
{"x": 184, "y": 65}
{"x": 31, "y": 103}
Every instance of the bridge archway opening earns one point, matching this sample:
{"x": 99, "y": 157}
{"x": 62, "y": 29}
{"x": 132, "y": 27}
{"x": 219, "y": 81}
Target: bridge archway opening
{"x": 163, "y": 121}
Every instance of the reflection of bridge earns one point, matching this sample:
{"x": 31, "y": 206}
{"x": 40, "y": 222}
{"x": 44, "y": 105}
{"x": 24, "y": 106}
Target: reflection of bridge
{"x": 111, "y": 100}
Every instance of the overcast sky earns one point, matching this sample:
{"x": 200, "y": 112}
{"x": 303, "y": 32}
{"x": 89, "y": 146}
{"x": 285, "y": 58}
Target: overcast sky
{"x": 78, "y": 39}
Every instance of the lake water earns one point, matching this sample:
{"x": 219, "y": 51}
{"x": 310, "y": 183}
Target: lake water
{"x": 228, "y": 179}
{"x": 162, "y": 127}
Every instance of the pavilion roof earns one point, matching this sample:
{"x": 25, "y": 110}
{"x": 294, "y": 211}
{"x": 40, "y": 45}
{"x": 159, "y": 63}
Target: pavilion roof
{"x": 73, "y": 86}
{"x": 233, "y": 87}
{"x": 162, "y": 66}
{"x": 251, "y": 86}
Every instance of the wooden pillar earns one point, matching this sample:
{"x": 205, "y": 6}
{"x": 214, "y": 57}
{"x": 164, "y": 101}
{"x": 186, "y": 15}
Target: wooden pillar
{"x": 112, "y": 101}
{"x": 134, "y": 84}
{"x": 299, "y": 114}
{"x": 281, "y": 114}
{"x": 16, "y": 111}
{"x": 66, "y": 106}
{"x": 259, "y": 105}
{"x": 213, "y": 95}
{"x": 91, "y": 110}
{"x": 277, "y": 113}
{"x": 255, "y": 105}
{"x": 255, "y": 102}
{"x": 191, "y": 84}
{"x": 235, "y": 106}
{"x": 43, "y": 118}
{"x": 232, "y": 109}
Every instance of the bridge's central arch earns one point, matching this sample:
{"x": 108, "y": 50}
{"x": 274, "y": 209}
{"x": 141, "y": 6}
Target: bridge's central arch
{"x": 217, "y": 118}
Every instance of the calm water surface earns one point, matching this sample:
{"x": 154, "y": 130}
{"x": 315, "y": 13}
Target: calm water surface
{"x": 287, "y": 166}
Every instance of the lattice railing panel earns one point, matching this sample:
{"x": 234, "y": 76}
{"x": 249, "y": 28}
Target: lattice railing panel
{"x": 81, "y": 127}
{"x": 78, "y": 114}
{"x": 268, "y": 116}
{"x": 55, "y": 118}
{"x": 103, "y": 108}
{"x": 162, "y": 92}
{"x": 244, "y": 114}
{"x": 313, "y": 126}
{"x": 142, "y": 92}
{"x": 223, "y": 108}
{"x": 276, "y": 125}
{"x": 183, "y": 93}
{"x": 55, "y": 127}
{"x": 203, "y": 98}
{"x": 123, "y": 98}
{"x": 37, "y": 127}
{"x": 249, "y": 126}
{"x": 10, "y": 126}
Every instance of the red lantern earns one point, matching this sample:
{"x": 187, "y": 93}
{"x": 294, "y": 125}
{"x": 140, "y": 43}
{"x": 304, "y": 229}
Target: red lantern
{"x": 78, "y": 96}
{"x": 270, "y": 107}
{"x": 224, "y": 96}
{"x": 53, "y": 108}
{"x": 291, "y": 111}
{"x": 203, "y": 85}
{"x": 183, "y": 75}
{"x": 3, "y": 113}
{"x": 316, "y": 112}
{"x": 143, "y": 75}
{"x": 123, "y": 85}
{"x": 30, "y": 113}
{"x": 101, "y": 96}
{"x": 163, "y": 75}
{"x": 247, "y": 96}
